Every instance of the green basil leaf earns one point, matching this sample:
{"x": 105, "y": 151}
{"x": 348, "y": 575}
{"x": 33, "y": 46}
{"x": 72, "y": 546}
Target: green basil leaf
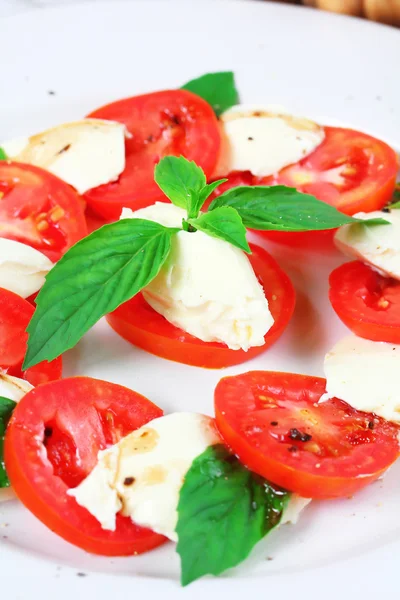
{"x": 395, "y": 205}
{"x": 3, "y": 155}
{"x": 218, "y": 89}
{"x": 282, "y": 208}
{"x": 223, "y": 223}
{"x": 181, "y": 180}
{"x": 6, "y": 409}
{"x": 92, "y": 279}
{"x": 224, "y": 510}
{"x": 396, "y": 197}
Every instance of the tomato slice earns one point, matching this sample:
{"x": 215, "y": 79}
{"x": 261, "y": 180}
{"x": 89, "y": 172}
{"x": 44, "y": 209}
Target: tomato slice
{"x": 138, "y": 323}
{"x": 15, "y": 314}
{"x": 273, "y": 424}
{"x": 40, "y": 210}
{"x": 172, "y": 122}
{"x": 350, "y": 170}
{"x": 51, "y": 445}
{"x": 366, "y": 302}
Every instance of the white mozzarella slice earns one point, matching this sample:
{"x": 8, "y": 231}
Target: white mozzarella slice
{"x": 22, "y": 269}
{"x": 375, "y": 245}
{"x": 263, "y": 142}
{"x": 85, "y": 153}
{"x": 365, "y": 375}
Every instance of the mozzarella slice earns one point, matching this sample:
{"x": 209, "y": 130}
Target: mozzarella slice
{"x": 85, "y": 153}
{"x": 347, "y": 367}
{"x": 22, "y": 268}
{"x": 142, "y": 475}
{"x": 375, "y": 245}
{"x": 14, "y": 389}
{"x": 207, "y": 287}
{"x": 263, "y": 142}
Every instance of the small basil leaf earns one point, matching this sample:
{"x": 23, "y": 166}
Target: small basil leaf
{"x": 218, "y": 89}
{"x": 282, "y": 208}
{"x": 224, "y": 510}
{"x": 181, "y": 180}
{"x": 223, "y": 223}
{"x": 92, "y": 279}
{"x": 6, "y": 409}
{"x": 3, "y": 155}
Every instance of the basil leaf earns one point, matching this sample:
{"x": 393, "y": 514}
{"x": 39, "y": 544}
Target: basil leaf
{"x": 396, "y": 197}
{"x": 3, "y": 155}
{"x": 179, "y": 179}
{"x": 223, "y": 223}
{"x": 282, "y": 208}
{"x": 92, "y": 279}
{"x": 6, "y": 409}
{"x": 218, "y": 89}
{"x": 224, "y": 510}
{"x": 184, "y": 183}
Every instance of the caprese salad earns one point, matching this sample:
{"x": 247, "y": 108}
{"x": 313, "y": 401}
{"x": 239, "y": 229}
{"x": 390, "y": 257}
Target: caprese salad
{"x": 176, "y": 178}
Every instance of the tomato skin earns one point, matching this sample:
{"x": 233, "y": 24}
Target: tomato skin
{"x": 138, "y": 323}
{"x": 366, "y": 302}
{"x": 255, "y": 412}
{"x": 82, "y": 413}
{"x": 39, "y": 209}
{"x": 171, "y": 122}
{"x": 15, "y": 314}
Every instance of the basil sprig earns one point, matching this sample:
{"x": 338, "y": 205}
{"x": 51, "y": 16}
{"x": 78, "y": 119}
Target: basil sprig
{"x": 224, "y": 510}
{"x": 6, "y": 409}
{"x": 92, "y": 279}
{"x": 3, "y": 155}
{"x": 218, "y": 89}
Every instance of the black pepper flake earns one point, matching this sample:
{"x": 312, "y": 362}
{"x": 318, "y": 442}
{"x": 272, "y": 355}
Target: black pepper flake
{"x": 293, "y": 448}
{"x": 274, "y": 423}
{"x": 48, "y": 432}
{"x": 175, "y": 119}
{"x": 385, "y": 209}
{"x": 371, "y": 425}
{"x": 150, "y": 139}
{"x": 51, "y": 93}
{"x": 250, "y": 138}
{"x": 67, "y": 147}
{"x": 301, "y": 436}
{"x": 80, "y": 574}
{"x": 129, "y": 481}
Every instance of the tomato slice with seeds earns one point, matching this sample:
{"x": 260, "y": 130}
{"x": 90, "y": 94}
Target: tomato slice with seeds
{"x": 171, "y": 122}
{"x": 138, "y": 323}
{"x": 15, "y": 314}
{"x": 273, "y": 423}
{"x": 350, "y": 170}
{"x": 38, "y": 209}
{"x": 366, "y": 302}
{"x": 51, "y": 445}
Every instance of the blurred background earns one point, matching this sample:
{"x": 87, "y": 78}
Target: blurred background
{"x": 384, "y": 11}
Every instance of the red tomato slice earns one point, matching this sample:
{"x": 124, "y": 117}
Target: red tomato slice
{"x": 15, "y": 314}
{"x": 40, "y": 210}
{"x": 173, "y": 122}
{"x": 138, "y": 323}
{"x": 51, "y": 445}
{"x": 366, "y": 302}
{"x": 350, "y": 170}
{"x": 272, "y": 423}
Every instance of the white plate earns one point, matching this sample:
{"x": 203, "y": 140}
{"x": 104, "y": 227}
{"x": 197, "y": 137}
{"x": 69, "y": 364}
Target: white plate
{"x": 335, "y": 69}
